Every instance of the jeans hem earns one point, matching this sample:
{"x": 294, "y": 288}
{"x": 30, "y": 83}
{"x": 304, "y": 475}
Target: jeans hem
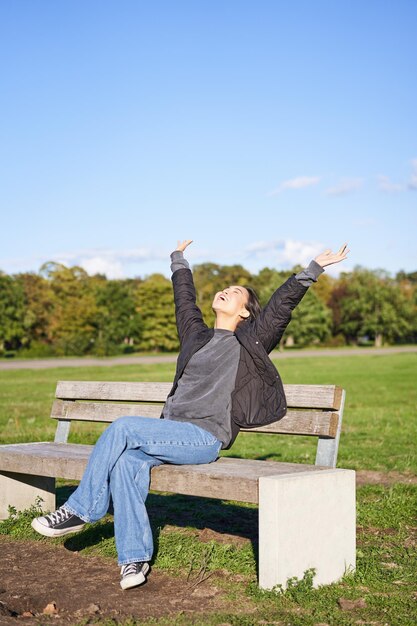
{"x": 85, "y": 518}
{"x": 135, "y": 560}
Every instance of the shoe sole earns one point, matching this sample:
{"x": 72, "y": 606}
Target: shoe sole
{"x": 136, "y": 580}
{"x": 51, "y": 532}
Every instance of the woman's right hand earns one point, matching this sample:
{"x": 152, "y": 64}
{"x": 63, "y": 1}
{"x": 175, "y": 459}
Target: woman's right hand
{"x": 182, "y": 245}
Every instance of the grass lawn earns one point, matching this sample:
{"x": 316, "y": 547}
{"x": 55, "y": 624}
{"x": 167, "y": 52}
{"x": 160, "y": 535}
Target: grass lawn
{"x": 379, "y": 433}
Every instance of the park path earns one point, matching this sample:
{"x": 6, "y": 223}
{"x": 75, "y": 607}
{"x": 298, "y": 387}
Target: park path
{"x": 37, "y": 364}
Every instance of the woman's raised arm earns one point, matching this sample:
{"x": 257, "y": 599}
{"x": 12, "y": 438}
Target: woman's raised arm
{"x": 188, "y": 315}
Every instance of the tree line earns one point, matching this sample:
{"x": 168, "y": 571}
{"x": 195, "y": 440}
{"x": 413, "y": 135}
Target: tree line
{"x": 64, "y": 311}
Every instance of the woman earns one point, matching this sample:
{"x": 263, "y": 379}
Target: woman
{"x": 224, "y": 380}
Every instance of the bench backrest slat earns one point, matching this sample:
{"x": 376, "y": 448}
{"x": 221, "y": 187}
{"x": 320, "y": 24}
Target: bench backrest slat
{"x": 115, "y": 391}
{"x": 302, "y": 422}
{"x": 298, "y": 396}
{"x": 315, "y": 410}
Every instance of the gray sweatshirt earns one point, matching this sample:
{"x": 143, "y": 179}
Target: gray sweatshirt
{"x": 203, "y": 395}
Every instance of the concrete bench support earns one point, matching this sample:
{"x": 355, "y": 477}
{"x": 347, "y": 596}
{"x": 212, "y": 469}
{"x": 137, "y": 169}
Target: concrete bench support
{"x": 21, "y": 491}
{"x": 306, "y": 520}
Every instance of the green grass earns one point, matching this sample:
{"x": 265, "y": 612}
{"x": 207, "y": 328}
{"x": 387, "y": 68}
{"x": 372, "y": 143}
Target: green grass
{"x": 380, "y": 428}
{"x": 380, "y": 419}
{"x": 385, "y": 578}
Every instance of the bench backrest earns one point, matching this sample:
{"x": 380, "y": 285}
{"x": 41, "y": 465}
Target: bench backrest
{"x": 314, "y": 410}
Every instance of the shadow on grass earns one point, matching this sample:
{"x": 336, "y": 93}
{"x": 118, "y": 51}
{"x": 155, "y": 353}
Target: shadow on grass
{"x": 177, "y": 510}
{"x": 272, "y": 456}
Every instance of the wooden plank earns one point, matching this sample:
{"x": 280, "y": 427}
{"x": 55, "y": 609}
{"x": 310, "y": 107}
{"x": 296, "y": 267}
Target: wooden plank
{"x": 227, "y": 478}
{"x": 296, "y": 422}
{"x": 101, "y": 411}
{"x": 299, "y": 396}
{"x": 117, "y": 391}
{"x": 313, "y": 396}
{"x": 303, "y": 422}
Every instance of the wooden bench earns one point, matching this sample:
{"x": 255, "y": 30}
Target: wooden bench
{"x": 306, "y": 512}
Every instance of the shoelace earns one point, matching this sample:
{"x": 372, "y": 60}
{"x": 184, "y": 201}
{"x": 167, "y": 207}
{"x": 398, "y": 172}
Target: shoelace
{"x": 58, "y": 516}
{"x": 130, "y": 568}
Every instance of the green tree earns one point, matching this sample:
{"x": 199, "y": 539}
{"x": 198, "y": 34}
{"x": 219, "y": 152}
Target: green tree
{"x": 370, "y": 303}
{"x": 267, "y": 281}
{"x": 118, "y": 321}
{"x": 73, "y": 323}
{"x": 12, "y": 313}
{"x": 155, "y": 304}
{"x": 38, "y": 302}
{"x": 408, "y": 288}
{"x": 310, "y": 320}
{"x": 407, "y": 276}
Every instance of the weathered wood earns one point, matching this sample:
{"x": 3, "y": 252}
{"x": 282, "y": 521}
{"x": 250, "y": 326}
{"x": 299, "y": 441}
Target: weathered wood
{"x": 313, "y": 396}
{"x": 62, "y": 431}
{"x": 298, "y": 396}
{"x": 327, "y": 449}
{"x": 117, "y": 391}
{"x": 302, "y": 422}
{"x": 227, "y": 478}
{"x": 101, "y": 411}
{"x": 296, "y": 422}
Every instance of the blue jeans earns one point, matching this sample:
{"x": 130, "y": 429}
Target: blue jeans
{"x": 120, "y": 465}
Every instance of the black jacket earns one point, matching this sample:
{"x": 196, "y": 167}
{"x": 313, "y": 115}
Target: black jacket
{"x": 258, "y": 397}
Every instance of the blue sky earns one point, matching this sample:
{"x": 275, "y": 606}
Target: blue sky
{"x": 265, "y": 131}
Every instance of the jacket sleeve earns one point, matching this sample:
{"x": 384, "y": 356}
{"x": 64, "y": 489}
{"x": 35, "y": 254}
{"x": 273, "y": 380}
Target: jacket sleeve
{"x": 188, "y": 315}
{"x": 274, "y": 318}
{"x": 310, "y": 274}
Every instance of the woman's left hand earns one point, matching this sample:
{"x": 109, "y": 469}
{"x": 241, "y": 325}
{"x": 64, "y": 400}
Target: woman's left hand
{"x": 183, "y": 244}
{"x": 328, "y": 257}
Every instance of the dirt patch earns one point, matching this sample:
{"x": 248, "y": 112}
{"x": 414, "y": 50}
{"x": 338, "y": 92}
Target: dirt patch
{"x": 206, "y": 535}
{"x": 370, "y": 477}
{"x": 34, "y": 575}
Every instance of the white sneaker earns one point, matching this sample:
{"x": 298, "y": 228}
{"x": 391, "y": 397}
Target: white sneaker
{"x": 60, "y": 522}
{"x": 133, "y": 574}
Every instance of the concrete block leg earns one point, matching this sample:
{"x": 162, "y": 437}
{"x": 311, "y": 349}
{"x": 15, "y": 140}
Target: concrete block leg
{"x": 21, "y": 491}
{"x": 307, "y": 520}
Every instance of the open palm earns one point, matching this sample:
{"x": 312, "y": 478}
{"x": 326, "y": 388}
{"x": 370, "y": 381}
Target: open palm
{"x": 328, "y": 257}
{"x": 183, "y": 244}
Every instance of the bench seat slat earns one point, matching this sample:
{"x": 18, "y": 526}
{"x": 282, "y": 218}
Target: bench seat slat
{"x": 227, "y": 478}
{"x": 298, "y": 396}
{"x": 313, "y": 422}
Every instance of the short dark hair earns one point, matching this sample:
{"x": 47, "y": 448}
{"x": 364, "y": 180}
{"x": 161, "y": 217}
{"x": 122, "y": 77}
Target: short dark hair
{"x": 252, "y": 305}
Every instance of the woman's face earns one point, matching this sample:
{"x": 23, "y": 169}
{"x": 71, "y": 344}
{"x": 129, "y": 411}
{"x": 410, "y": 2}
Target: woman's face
{"x": 231, "y": 301}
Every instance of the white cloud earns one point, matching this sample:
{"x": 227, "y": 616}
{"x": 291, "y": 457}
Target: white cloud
{"x": 345, "y": 186}
{"x": 412, "y": 184}
{"x": 261, "y": 246}
{"x": 385, "y": 184}
{"x": 300, "y": 182}
{"x": 100, "y": 265}
{"x": 112, "y": 263}
{"x": 284, "y": 253}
